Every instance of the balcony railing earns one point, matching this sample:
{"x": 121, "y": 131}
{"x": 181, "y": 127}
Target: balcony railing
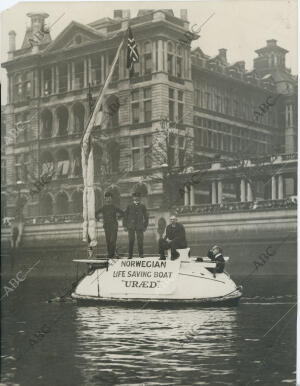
{"x": 288, "y": 203}
{"x": 54, "y": 219}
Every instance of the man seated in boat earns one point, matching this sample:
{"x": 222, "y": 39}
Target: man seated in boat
{"x": 218, "y": 258}
{"x": 110, "y": 223}
{"x": 174, "y": 239}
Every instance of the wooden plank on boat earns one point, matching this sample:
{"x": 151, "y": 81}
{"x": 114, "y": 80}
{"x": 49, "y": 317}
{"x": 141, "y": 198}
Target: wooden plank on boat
{"x": 91, "y": 261}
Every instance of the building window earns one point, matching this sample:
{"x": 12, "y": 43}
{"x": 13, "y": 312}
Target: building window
{"x": 147, "y": 104}
{"x": 180, "y": 95}
{"x": 135, "y": 95}
{"x": 235, "y": 108}
{"x": 171, "y": 111}
{"x": 96, "y": 69}
{"x": 63, "y": 77}
{"x": 78, "y": 112}
{"x": 181, "y": 151}
{"x": 77, "y": 170}
{"x": 47, "y": 81}
{"x": 135, "y": 112}
{"x": 63, "y": 119}
{"x": 170, "y": 58}
{"x": 218, "y": 103}
{"x": 180, "y": 112}
{"x": 207, "y": 100}
{"x": 27, "y": 85}
{"x": 179, "y": 61}
{"x": 141, "y": 152}
{"x": 46, "y": 124}
{"x": 226, "y": 105}
{"x": 147, "y": 58}
{"x": 79, "y": 74}
{"x": 23, "y": 86}
{"x": 205, "y": 139}
{"x": 147, "y": 151}
{"x": 21, "y": 167}
{"x": 18, "y": 87}
{"x": 63, "y": 164}
{"x": 148, "y": 110}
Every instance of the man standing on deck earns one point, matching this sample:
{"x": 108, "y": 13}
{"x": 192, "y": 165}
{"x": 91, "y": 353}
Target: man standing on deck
{"x": 174, "y": 239}
{"x": 110, "y": 223}
{"x": 135, "y": 221}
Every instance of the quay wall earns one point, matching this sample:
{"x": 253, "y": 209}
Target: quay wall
{"x": 244, "y": 236}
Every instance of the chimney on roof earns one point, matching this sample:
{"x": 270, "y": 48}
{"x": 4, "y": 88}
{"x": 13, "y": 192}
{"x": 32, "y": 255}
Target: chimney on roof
{"x": 126, "y": 13}
{"x": 183, "y": 14}
{"x": 121, "y": 13}
{"x": 271, "y": 43}
{"x": 223, "y": 54}
{"x": 11, "y": 41}
{"x": 118, "y": 14}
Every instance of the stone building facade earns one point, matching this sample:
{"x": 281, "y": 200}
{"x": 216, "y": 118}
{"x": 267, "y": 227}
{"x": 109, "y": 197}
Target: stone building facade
{"x": 223, "y": 108}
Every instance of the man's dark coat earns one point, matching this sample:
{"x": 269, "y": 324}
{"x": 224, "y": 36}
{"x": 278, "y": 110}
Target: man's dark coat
{"x": 136, "y": 217}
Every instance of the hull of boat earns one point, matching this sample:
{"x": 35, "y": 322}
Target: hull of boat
{"x": 150, "y": 281}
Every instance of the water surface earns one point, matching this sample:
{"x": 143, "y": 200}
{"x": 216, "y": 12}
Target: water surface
{"x": 101, "y": 345}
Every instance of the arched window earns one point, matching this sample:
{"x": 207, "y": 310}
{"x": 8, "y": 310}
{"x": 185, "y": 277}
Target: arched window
{"x": 179, "y": 61}
{"x": 63, "y": 163}
{"x": 78, "y": 112}
{"x": 77, "y": 202}
{"x": 47, "y": 163}
{"x": 46, "y": 205}
{"x": 114, "y": 154}
{"x": 46, "y": 124}
{"x": 147, "y": 58}
{"x": 77, "y": 169}
{"x": 62, "y": 203}
{"x": 170, "y": 58}
{"x": 63, "y": 119}
{"x": 112, "y": 112}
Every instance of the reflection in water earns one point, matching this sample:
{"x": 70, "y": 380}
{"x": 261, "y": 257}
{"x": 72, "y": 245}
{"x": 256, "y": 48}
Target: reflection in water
{"x": 126, "y": 346}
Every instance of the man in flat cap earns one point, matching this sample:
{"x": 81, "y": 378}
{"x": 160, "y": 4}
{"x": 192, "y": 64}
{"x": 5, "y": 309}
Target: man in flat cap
{"x": 110, "y": 223}
{"x": 135, "y": 221}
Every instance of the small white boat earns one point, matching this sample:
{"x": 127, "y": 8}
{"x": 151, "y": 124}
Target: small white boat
{"x": 153, "y": 281}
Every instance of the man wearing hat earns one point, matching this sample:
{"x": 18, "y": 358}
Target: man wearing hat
{"x": 110, "y": 223}
{"x": 135, "y": 221}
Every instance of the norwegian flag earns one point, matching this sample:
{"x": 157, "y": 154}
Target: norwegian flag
{"x": 132, "y": 51}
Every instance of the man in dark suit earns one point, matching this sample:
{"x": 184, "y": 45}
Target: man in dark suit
{"x": 174, "y": 239}
{"x": 135, "y": 221}
{"x": 110, "y": 223}
{"x": 218, "y": 259}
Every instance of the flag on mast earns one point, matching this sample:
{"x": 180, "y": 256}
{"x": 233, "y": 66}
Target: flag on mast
{"x": 87, "y": 161}
{"x": 132, "y": 51}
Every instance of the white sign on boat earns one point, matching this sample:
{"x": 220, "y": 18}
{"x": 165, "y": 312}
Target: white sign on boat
{"x": 141, "y": 276}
